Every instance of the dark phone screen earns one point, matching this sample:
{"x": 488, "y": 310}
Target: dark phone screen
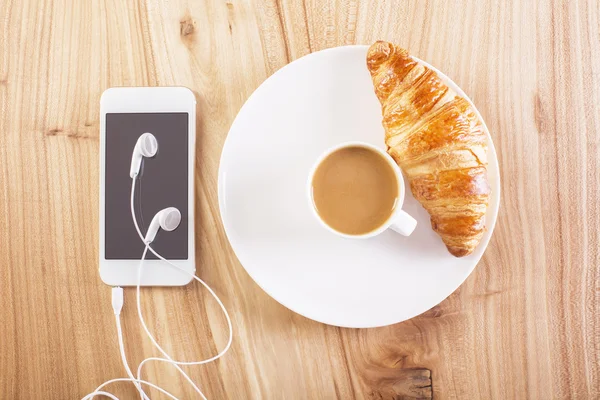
{"x": 162, "y": 182}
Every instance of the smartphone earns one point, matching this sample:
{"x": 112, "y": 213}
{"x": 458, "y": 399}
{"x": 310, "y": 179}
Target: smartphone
{"x": 165, "y": 180}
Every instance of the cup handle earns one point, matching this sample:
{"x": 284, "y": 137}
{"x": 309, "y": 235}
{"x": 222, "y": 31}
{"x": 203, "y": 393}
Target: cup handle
{"x": 403, "y": 223}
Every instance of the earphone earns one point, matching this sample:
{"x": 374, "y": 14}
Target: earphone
{"x": 146, "y": 146}
{"x": 167, "y": 219}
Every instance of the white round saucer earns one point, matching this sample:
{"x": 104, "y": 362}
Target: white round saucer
{"x": 304, "y": 108}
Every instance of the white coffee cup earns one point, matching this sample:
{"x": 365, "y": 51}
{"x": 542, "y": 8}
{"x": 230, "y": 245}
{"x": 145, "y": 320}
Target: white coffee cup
{"x": 399, "y": 221}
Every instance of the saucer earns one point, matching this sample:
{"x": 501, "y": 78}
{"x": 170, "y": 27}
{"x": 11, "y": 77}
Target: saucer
{"x": 303, "y": 109}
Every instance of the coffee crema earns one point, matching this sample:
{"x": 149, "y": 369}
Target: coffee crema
{"x": 354, "y": 190}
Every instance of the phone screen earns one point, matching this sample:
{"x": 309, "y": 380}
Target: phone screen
{"x": 162, "y": 182}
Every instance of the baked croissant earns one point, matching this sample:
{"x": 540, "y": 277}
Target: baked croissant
{"x": 436, "y": 138}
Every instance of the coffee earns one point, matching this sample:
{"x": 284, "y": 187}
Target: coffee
{"x": 354, "y": 190}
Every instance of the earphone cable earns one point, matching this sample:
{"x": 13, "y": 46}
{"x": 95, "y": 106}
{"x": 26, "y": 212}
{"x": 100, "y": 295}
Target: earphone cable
{"x": 168, "y": 359}
{"x": 117, "y": 300}
{"x": 147, "y": 247}
{"x": 117, "y": 304}
{"x": 98, "y": 390}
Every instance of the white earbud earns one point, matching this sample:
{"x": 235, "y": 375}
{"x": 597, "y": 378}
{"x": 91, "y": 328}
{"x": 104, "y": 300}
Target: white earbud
{"x": 146, "y": 146}
{"x": 167, "y": 219}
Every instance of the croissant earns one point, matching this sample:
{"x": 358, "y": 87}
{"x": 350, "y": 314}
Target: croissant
{"x": 437, "y": 139}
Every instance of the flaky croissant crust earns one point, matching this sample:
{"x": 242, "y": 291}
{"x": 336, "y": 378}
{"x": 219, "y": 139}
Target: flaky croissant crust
{"x": 437, "y": 139}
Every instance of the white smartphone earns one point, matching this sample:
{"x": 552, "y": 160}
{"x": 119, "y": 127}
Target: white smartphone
{"x": 165, "y": 180}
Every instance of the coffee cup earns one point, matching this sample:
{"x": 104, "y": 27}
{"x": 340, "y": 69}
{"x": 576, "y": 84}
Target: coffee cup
{"x": 356, "y": 190}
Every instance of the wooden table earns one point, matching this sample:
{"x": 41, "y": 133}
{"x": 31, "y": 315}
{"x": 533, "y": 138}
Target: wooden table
{"x": 526, "y": 324}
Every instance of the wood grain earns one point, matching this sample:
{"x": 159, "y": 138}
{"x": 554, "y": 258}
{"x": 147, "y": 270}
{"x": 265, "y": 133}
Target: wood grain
{"x": 524, "y": 325}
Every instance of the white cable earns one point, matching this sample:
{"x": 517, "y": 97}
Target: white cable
{"x": 124, "y": 358}
{"x": 164, "y": 353}
{"x": 230, "y": 325}
{"x": 99, "y": 392}
{"x": 168, "y": 359}
{"x": 117, "y": 303}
